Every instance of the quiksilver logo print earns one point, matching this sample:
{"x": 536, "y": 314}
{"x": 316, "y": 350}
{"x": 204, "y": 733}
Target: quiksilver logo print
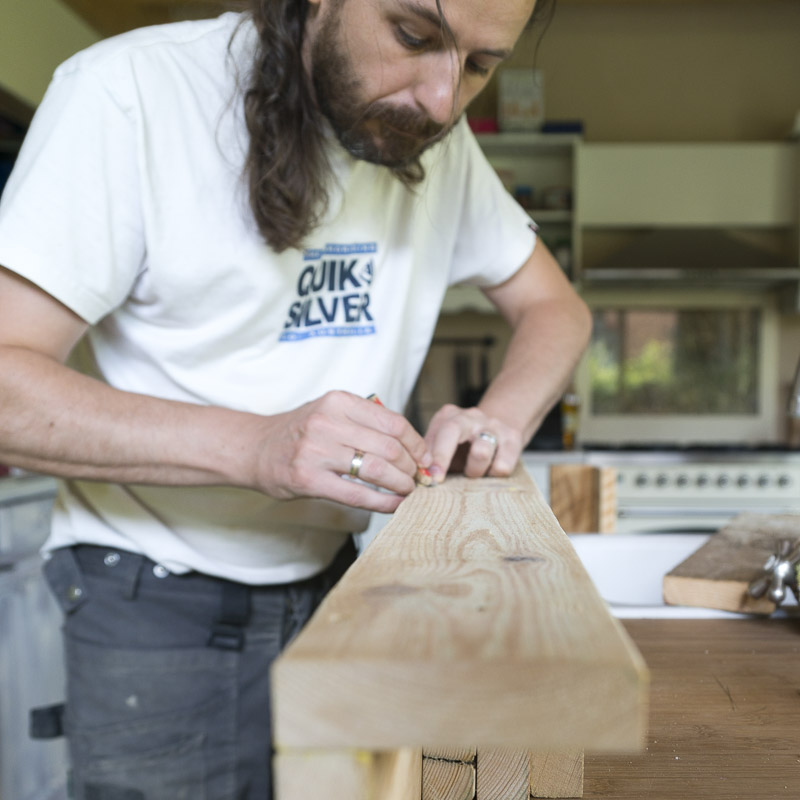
{"x": 333, "y": 293}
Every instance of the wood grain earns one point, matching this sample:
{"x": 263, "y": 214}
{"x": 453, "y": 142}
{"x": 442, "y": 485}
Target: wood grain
{"x": 502, "y": 774}
{"x": 584, "y": 498}
{"x": 468, "y": 619}
{"x": 557, "y": 774}
{"x": 725, "y": 706}
{"x": 348, "y": 774}
{"x": 447, "y": 780}
{"x": 718, "y": 573}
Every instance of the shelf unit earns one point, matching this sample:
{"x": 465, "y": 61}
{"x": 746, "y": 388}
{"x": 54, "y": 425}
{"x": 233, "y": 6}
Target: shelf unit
{"x": 545, "y": 165}
{"x": 710, "y": 214}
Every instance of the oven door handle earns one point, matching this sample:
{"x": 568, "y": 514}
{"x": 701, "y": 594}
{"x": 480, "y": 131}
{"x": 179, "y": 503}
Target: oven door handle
{"x": 673, "y": 513}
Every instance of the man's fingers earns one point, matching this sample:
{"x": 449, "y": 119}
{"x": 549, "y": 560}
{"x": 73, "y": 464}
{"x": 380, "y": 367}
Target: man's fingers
{"x": 372, "y": 413}
{"x": 494, "y": 447}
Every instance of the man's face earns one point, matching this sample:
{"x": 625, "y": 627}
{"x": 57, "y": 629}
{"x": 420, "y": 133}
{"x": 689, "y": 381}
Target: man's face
{"x": 391, "y": 80}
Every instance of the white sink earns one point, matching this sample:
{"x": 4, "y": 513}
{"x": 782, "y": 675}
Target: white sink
{"x": 628, "y": 570}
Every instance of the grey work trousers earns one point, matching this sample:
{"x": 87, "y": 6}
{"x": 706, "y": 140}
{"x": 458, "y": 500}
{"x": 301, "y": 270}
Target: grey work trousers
{"x": 156, "y": 707}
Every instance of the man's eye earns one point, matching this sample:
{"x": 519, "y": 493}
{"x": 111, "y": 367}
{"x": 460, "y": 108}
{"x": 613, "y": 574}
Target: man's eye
{"x": 409, "y": 41}
{"x": 476, "y": 69}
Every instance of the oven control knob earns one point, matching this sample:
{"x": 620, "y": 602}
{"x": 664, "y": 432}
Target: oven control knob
{"x": 743, "y": 481}
{"x": 641, "y": 479}
{"x": 662, "y": 480}
{"x": 702, "y": 480}
{"x": 682, "y": 480}
{"x": 763, "y": 481}
{"x": 784, "y": 481}
{"x": 723, "y": 480}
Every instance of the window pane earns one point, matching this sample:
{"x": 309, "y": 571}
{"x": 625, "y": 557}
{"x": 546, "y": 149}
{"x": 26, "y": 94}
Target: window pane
{"x": 659, "y": 361}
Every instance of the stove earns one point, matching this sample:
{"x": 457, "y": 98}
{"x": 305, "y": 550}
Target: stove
{"x": 695, "y": 490}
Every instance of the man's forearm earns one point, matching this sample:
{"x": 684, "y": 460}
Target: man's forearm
{"x": 544, "y": 350}
{"x": 56, "y": 421}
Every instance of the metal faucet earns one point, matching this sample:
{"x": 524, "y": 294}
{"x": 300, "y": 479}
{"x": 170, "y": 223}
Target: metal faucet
{"x": 780, "y": 572}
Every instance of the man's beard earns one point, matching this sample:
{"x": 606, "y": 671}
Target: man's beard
{"x": 376, "y": 132}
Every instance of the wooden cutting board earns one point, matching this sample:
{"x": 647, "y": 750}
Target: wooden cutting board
{"x": 717, "y": 574}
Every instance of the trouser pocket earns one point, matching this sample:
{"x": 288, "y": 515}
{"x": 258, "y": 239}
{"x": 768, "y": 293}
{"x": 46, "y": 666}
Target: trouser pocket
{"x": 150, "y": 724}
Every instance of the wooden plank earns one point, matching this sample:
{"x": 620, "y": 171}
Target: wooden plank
{"x": 724, "y": 714}
{"x": 557, "y": 774}
{"x": 447, "y": 780}
{"x": 468, "y": 619}
{"x": 348, "y": 774}
{"x": 718, "y": 573}
{"x": 502, "y": 773}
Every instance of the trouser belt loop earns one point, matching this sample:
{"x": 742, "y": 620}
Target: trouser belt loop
{"x": 227, "y": 632}
{"x": 129, "y": 570}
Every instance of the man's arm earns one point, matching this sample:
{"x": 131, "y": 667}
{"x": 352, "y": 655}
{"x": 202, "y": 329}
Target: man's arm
{"x": 57, "y": 421}
{"x": 551, "y": 328}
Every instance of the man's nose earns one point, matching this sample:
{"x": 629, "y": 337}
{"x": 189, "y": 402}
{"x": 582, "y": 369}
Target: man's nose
{"x": 437, "y": 91}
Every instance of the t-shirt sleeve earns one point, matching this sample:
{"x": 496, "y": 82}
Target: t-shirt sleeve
{"x": 70, "y": 216}
{"x": 496, "y": 236}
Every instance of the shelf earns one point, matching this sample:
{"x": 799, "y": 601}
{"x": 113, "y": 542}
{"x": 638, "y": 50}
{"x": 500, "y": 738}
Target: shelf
{"x": 749, "y": 277}
{"x": 545, "y": 216}
{"x": 508, "y": 143}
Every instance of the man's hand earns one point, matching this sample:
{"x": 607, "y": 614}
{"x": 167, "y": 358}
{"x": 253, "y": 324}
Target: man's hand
{"x": 468, "y": 440}
{"x": 305, "y": 453}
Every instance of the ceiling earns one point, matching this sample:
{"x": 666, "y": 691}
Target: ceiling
{"x": 116, "y": 16}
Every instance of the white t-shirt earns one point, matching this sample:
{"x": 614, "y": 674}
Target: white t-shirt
{"x": 127, "y": 204}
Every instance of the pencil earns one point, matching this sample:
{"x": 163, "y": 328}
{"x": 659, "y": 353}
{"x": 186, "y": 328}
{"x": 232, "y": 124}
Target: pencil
{"x": 422, "y": 477}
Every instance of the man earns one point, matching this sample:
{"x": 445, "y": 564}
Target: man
{"x": 236, "y": 230}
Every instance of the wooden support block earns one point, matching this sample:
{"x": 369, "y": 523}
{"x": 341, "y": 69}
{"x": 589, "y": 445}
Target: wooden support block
{"x": 557, "y": 774}
{"x": 502, "y": 774}
{"x": 464, "y": 754}
{"x": 468, "y": 619}
{"x": 447, "y": 780}
{"x": 348, "y": 774}
{"x": 584, "y": 498}
{"x": 718, "y": 573}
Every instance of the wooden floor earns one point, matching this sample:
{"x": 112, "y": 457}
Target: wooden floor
{"x": 724, "y": 714}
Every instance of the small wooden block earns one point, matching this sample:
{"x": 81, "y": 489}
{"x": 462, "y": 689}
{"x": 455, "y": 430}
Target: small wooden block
{"x": 718, "y": 573}
{"x": 557, "y": 774}
{"x": 502, "y": 773}
{"x": 466, "y": 755}
{"x": 348, "y": 774}
{"x": 584, "y": 498}
{"x": 447, "y": 780}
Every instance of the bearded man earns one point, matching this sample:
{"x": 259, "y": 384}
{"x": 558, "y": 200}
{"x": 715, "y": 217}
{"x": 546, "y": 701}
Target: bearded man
{"x": 219, "y": 239}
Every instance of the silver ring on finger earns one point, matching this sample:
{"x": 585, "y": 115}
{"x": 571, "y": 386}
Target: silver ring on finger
{"x": 488, "y": 437}
{"x": 355, "y": 463}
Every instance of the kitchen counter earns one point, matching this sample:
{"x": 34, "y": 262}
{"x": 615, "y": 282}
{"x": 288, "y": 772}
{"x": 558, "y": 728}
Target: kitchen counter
{"x": 724, "y": 714}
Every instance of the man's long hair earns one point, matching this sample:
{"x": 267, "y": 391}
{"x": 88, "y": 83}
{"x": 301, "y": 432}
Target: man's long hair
{"x": 287, "y": 167}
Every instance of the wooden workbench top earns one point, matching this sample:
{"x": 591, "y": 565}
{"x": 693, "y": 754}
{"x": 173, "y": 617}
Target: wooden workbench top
{"x": 724, "y": 714}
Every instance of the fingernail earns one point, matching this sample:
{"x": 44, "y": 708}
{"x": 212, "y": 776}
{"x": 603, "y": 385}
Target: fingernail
{"x": 436, "y": 473}
{"x": 375, "y": 399}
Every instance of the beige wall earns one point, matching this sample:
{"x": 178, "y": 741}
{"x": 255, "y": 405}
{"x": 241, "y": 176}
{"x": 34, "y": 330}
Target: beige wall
{"x": 668, "y": 70}
{"x": 35, "y": 37}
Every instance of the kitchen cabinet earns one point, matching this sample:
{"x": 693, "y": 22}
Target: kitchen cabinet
{"x": 31, "y": 666}
{"x": 698, "y": 213}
